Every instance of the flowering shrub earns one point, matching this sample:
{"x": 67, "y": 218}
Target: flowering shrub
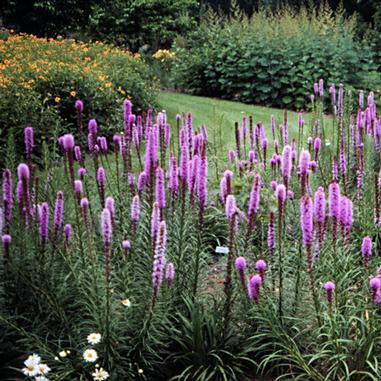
{"x": 169, "y": 279}
{"x": 39, "y": 79}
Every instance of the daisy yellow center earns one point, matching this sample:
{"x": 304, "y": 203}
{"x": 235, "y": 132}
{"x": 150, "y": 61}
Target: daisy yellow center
{"x": 31, "y": 367}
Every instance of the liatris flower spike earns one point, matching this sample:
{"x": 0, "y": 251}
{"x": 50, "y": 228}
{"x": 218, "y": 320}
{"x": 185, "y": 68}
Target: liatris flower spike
{"x": 29, "y": 142}
{"x": 375, "y": 285}
{"x": 329, "y": 287}
{"x": 6, "y": 239}
{"x": 240, "y": 265}
{"x": 366, "y": 250}
{"x": 126, "y": 245}
{"x": 170, "y": 273}
{"x": 261, "y": 267}
{"x": 254, "y": 287}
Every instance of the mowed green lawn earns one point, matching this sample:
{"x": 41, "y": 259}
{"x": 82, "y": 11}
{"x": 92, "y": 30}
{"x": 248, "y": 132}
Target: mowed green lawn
{"x": 216, "y": 114}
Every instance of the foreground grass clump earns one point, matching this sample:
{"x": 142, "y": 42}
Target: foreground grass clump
{"x": 40, "y": 78}
{"x": 113, "y": 251}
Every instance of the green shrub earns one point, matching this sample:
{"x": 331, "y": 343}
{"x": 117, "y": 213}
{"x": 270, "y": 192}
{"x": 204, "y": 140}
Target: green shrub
{"x": 41, "y": 79}
{"x": 271, "y": 59}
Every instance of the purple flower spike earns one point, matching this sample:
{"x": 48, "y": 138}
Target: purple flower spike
{"x": 7, "y": 240}
{"x": 23, "y": 172}
{"x": 231, "y": 207}
{"x": 159, "y": 261}
{"x": 79, "y": 106}
{"x": 160, "y": 188}
{"x": 306, "y": 220}
{"x": 7, "y": 196}
{"x": 231, "y": 155}
{"x": 286, "y": 164}
{"x": 68, "y": 142}
{"x": 106, "y": 226}
{"x": 366, "y": 250}
{"x": 254, "y": 287}
{"x": 135, "y": 210}
{"x": 329, "y": 288}
{"x": 81, "y": 173}
{"x": 170, "y": 273}
{"x": 240, "y": 264}
{"x": 375, "y": 285}
{"x": 29, "y": 142}
{"x": 44, "y": 221}
{"x": 334, "y": 206}
{"x": 271, "y": 233}
{"x": 68, "y": 230}
{"x": 58, "y": 211}
{"x": 78, "y": 189}
{"x": 261, "y": 267}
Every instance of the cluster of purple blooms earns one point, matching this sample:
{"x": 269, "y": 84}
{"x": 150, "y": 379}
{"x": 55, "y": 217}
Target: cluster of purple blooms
{"x": 185, "y": 175}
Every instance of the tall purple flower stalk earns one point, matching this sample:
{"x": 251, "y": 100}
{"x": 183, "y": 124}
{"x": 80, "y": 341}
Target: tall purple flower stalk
{"x": 159, "y": 261}
{"x": 68, "y": 231}
{"x": 58, "y": 212}
{"x": 170, "y": 273}
{"x": 7, "y": 198}
{"x": 44, "y": 222}
{"x": 240, "y": 265}
{"x": 306, "y": 222}
{"x": 160, "y": 190}
{"x": 366, "y": 250}
{"x": 202, "y": 184}
{"x": 329, "y": 287}
{"x": 6, "y": 240}
{"x": 68, "y": 146}
{"x": 101, "y": 181}
{"x": 29, "y": 143}
{"x": 271, "y": 233}
{"x": 84, "y": 204}
{"x": 135, "y": 212}
{"x": 24, "y": 179}
{"x": 319, "y": 215}
{"x": 286, "y": 165}
{"x": 173, "y": 183}
{"x": 334, "y": 207}
{"x": 106, "y": 229}
{"x": 253, "y": 287}
{"x": 304, "y": 162}
{"x": 254, "y": 202}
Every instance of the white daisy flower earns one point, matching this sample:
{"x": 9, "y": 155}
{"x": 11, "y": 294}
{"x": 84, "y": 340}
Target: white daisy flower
{"x": 32, "y": 359}
{"x": 32, "y": 365}
{"x": 43, "y": 368}
{"x": 100, "y": 375}
{"x": 90, "y": 355}
{"x": 94, "y": 338}
{"x": 31, "y": 370}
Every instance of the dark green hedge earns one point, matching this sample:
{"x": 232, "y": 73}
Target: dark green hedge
{"x": 272, "y": 60}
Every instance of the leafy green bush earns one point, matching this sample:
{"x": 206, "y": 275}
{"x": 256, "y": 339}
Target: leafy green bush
{"x": 41, "y": 79}
{"x": 271, "y": 59}
{"x": 131, "y": 23}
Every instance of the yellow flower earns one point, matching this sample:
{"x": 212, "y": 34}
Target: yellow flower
{"x": 101, "y": 77}
{"x": 126, "y": 302}
{"x": 108, "y": 84}
{"x": 17, "y": 94}
{"x": 73, "y": 93}
{"x": 57, "y": 99}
